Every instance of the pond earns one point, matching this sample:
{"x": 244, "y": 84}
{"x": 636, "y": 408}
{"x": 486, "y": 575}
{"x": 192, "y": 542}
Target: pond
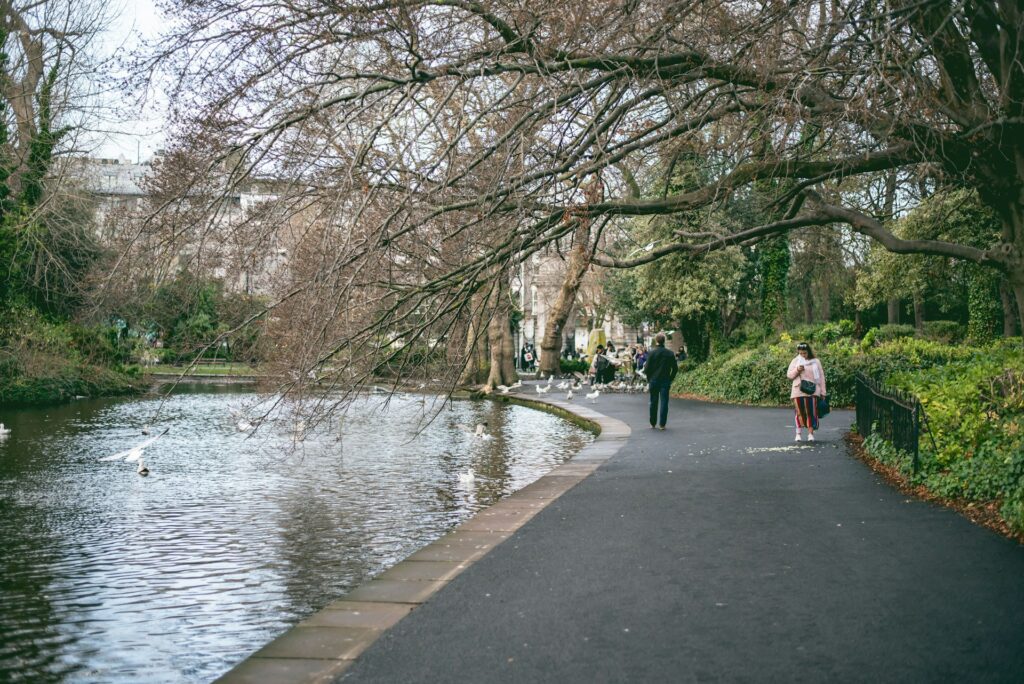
{"x": 233, "y": 537}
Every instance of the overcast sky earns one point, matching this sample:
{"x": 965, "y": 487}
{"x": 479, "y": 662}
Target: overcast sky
{"x": 140, "y": 134}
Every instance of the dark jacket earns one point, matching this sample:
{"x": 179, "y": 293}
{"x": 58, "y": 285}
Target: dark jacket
{"x": 661, "y": 365}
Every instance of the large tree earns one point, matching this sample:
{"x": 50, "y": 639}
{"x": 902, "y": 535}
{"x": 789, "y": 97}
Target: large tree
{"x": 462, "y": 135}
{"x": 47, "y": 82}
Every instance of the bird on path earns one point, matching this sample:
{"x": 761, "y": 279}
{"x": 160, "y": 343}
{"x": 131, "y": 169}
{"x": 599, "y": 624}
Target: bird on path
{"x": 592, "y": 396}
{"x": 563, "y": 385}
{"x": 543, "y": 390}
{"x": 568, "y": 397}
{"x": 503, "y": 388}
{"x": 135, "y": 453}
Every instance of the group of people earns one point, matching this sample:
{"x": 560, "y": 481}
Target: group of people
{"x": 607, "y": 361}
{"x": 659, "y": 367}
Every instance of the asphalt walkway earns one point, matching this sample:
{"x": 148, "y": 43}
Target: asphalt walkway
{"x": 720, "y": 551}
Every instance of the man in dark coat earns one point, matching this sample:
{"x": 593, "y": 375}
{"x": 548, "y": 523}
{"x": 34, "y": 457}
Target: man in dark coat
{"x": 660, "y": 369}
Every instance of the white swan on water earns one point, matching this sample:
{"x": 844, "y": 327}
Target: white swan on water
{"x": 467, "y": 477}
{"x": 4, "y": 431}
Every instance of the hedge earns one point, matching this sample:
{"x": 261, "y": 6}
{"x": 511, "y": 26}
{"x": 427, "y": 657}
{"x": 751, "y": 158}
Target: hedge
{"x": 758, "y": 375}
{"x": 974, "y": 410}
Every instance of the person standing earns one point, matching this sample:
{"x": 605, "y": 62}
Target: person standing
{"x": 528, "y": 357}
{"x": 805, "y": 368}
{"x": 660, "y": 370}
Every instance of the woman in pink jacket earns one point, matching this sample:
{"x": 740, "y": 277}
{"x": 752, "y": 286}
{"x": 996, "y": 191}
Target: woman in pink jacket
{"x": 806, "y": 367}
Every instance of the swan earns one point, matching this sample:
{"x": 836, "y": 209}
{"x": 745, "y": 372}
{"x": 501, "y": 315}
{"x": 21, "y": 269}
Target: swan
{"x": 481, "y": 431}
{"x": 135, "y": 453}
{"x": 4, "y": 431}
{"x": 243, "y": 425}
{"x": 467, "y": 477}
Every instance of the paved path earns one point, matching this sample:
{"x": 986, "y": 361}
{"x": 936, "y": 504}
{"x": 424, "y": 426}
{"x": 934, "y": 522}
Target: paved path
{"x": 703, "y": 554}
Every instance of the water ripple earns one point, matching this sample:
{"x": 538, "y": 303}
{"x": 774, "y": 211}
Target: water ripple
{"x": 107, "y": 576}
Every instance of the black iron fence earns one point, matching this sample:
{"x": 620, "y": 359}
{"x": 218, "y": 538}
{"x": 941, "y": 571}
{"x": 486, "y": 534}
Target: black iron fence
{"x": 893, "y": 414}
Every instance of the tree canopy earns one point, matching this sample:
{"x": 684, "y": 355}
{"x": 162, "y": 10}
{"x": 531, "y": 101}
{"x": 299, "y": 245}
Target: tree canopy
{"x": 443, "y": 141}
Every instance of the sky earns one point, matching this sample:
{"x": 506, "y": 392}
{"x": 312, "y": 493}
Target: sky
{"x": 135, "y": 135}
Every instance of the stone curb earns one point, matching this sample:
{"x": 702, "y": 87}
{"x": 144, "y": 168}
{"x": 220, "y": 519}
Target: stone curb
{"x": 325, "y": 644}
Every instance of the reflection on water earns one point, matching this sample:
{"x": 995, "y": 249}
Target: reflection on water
{"x": 109, "y": 576}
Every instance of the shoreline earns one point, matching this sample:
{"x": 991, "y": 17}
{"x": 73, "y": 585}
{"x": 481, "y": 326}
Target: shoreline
{"x": 325, "y": 644}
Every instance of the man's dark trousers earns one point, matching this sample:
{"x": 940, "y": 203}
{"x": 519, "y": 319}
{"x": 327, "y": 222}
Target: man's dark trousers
{"x": 659, "y": 394}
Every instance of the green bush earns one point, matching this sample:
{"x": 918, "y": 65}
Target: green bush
{"x": 889, "y": 332}
{"x": 946, "y": 332}
{"x": 758, "y": 376}
{"x": 974, "y": 408}
{"x": 42, "y": 361}
{"x": 573, "y": 366}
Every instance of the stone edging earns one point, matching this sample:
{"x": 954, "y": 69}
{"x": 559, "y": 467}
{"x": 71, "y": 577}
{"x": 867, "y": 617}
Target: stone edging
{"x": 324, "y": 645}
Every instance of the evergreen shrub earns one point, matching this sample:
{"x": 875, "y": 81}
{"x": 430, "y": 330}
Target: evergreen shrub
{"x": 946, "y": 332}
{"x": 974, "y": 408}
{"x": 573, "y": 366}
{"x": 43, "y": 361}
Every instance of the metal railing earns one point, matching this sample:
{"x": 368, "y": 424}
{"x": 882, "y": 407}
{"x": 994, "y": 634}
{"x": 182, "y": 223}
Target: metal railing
{"x": 893, "y": 414}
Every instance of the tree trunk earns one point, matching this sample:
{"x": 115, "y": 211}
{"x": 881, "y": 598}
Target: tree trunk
{"x": 475, "y": 349}
{"x": 579, "y": 262}
{"x": 1017, "y": 285}
{"x": 826, "y": 302}
{"x": 1009, "y": 313}
{"x": 808, "y": 304}
{"x": 499, "y": 337}
{"x": 918, "y": 313}
{"x": 894, "y": 311}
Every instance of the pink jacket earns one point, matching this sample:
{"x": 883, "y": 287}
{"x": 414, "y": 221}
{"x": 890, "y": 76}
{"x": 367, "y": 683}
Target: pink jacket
{"x": 812, "y": 371}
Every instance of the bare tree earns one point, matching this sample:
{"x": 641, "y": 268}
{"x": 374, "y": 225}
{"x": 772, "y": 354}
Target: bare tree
{"x": 451, "y": 139}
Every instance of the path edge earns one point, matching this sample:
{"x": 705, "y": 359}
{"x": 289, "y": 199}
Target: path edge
{"x": 327, "y": 643}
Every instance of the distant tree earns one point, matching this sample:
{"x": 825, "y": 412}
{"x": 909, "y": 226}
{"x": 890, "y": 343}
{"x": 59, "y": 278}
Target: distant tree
{"x": 46, "y": 73}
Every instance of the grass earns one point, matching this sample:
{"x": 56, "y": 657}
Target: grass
{"x": 241, "y": 369}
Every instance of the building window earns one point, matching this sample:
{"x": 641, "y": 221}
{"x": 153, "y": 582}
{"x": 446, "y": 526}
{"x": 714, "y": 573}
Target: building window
{"x": 533, "y": 298}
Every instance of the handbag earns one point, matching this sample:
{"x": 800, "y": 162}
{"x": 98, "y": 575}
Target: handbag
{"x": 823, "y": 407}
{"x": 808, "y": 387}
